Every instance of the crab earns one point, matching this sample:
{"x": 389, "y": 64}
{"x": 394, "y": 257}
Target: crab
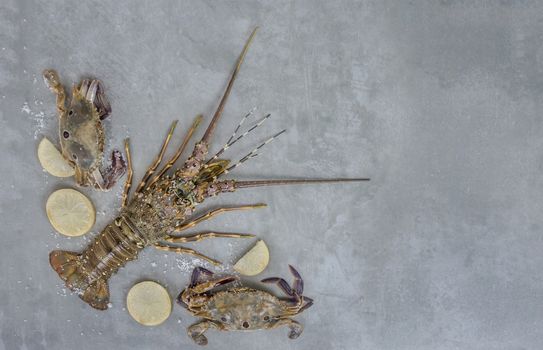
{"x": 242, "y": 308}
{"x": 82, "y": 134}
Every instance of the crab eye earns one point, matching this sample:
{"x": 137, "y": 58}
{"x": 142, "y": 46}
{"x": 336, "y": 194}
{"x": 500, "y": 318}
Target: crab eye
{"x": 74, "y": 156}
{"x": 70, "y": 112}
{"x": 245, "y": 324}
{"x": 66, "y": 134}
{"x": 266, "y": 318}
{"x": 223, "y": 319}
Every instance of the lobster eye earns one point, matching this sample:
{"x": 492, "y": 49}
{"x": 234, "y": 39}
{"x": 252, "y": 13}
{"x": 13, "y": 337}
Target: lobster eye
{"x": 70, "y": 112}
{"x": 66, "y": 134}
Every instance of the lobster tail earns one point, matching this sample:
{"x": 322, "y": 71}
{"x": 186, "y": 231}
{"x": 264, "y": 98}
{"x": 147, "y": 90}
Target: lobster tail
{"x": 68, "y": 266}
{"x": 97, "y": 295}
{"x": 64, "y": 263}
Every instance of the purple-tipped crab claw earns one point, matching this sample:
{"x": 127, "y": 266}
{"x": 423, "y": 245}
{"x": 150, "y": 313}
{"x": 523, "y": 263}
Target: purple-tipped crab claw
{"x": 295, "y": 292}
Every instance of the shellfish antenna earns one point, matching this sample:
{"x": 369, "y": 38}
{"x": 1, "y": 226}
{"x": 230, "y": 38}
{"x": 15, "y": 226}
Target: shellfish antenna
{"x": 261, "y": 183}
{"x": 220, "y": 108}
{"x": 253, "y": 153}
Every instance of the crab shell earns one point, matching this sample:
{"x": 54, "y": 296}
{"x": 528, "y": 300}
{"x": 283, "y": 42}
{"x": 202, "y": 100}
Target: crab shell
{"x": 242, "y": 309}
{"x": 82, "y": 137}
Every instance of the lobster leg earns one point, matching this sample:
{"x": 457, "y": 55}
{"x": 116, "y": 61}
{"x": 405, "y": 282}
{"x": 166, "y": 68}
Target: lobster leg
{"x": 157, "y": 160}
{"x": 203, "y": 235}
{"x": 129, "y": 174}
{"x": 196, "y": 331}
{"x": 215, "y": 212}
{"x": 177, "y": 154}
{"x": 184, "y": 250}
{"x": 295, "y": 328}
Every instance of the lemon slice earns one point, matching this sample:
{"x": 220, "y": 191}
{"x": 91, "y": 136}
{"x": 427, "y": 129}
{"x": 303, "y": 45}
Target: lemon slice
{"x": 52, "y": 161}
{"x": 254, "y": 261}
{"x": 149, "y": 303}
{"x": 70, "y": 212}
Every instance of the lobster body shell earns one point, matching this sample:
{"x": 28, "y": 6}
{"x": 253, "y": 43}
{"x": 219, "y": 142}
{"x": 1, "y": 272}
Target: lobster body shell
{"x": 149, "y": 218}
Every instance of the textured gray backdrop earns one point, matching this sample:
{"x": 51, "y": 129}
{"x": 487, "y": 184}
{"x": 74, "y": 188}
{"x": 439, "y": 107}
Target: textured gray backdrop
{"x": 440, "y": 102}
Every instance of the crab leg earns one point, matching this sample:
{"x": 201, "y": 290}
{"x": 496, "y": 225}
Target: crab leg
{"x": 295, "y": 327}
{"x": 215, "y": 212}
{"x": 196, "y": 331}
{"x": 184, "y": 250}
{"x": 210, "y": 234}
{"x": 158, "y": 159}
{"x": 129, "y": 174}
{"x": 53, "y": 81}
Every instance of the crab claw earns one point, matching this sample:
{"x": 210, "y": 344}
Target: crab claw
{"x": 281, "y": 283}
{"x": 115, "y": 170}
{"x": 205, "y": 286}
{"x": 308, "y": 303}
{"x": 298, "y": 285}
{"x": 93, "y": 92}
{"x": 195, "y": 277}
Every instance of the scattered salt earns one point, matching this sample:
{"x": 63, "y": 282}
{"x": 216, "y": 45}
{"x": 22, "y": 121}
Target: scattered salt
{"x": 38, "y": 117}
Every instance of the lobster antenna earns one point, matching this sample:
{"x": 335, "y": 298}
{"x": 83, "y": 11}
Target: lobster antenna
{"x": 240, "y": 124}
{"x": 231, "y": 141}
{"x": 253, "y": 153}
{"x": 220, "y": 108}
{"x": 261, "y": 183}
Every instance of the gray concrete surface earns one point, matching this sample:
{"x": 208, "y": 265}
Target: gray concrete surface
{"x": 440, "y": 102}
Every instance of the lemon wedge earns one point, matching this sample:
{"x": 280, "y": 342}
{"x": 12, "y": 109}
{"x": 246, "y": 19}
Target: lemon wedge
{"x": 70, "y": 212}
{"x": 254, "y": 261}
{"x": 52, "y": 161}
{"x": 149, "y": 303}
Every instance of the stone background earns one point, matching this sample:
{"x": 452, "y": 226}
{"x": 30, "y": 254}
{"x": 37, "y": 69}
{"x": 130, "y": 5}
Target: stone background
{"x": 439, "y": 102}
